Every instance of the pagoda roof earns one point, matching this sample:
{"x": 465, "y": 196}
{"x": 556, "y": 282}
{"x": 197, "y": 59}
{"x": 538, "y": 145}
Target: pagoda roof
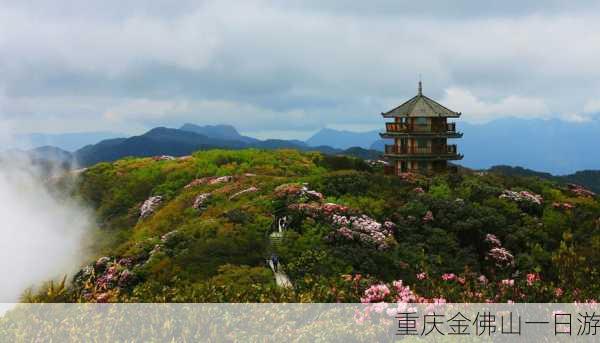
{"x": 421, "y": 106}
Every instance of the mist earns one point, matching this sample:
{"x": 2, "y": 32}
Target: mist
{"x": 41, "y": 231}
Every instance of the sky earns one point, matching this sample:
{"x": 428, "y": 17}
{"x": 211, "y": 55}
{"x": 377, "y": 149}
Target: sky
{"x": 288, "y": 68}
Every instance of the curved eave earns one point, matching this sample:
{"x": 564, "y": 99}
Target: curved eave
{"x": 421, "y": 106}
{"x": 439, "y": 115}
{"x": 424, "y": 157}
{"x": 419, "y": 134}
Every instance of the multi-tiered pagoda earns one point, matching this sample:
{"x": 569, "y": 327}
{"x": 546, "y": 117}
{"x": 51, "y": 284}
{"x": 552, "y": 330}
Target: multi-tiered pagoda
{"x": 420, "y": 131}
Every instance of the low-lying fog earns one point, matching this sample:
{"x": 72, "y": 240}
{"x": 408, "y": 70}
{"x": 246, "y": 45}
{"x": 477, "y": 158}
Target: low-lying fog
{"x": 41, "y": 234}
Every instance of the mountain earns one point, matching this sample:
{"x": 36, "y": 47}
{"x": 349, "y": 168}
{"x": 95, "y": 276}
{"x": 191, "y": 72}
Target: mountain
{"x": 343, "y": 139}
{"x": 555, "y": 146}
{"x": 587, "y": 178}
{"x": 65, "y": 141}
{"x": 225, "y": 132}
{"x": 201, "y": 229}
{"x": 158, "y": 141}
{"x": 175, "y": 142}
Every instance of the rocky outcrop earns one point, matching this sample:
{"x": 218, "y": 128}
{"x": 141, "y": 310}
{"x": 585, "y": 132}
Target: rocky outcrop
{"x": 163, "y": 158}
{"x": 200, "y": 201}
{"x": 149, "y": 206}
{"x": 247, "y": 190}
{"x": 210, "y": 180}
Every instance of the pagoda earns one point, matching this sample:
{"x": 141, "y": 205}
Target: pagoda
{"x": 420, "y": 133}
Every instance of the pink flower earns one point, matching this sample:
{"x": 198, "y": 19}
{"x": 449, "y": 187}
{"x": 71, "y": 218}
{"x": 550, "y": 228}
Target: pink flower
{"x": 508, "y": 282}
{"x": 532, "y": 277}
{"x": 448, "y": 276}
{"x": 558, "y": 292}
{"x": 422, "y": 276}
{"x": 461, "y": 280}
{"x": 375, "y": 293}
{"x": 493, "y": 240}
{"x": 405, "y": 295}
{"x": 482, "y": 279}
{"x": 501, "y": 256}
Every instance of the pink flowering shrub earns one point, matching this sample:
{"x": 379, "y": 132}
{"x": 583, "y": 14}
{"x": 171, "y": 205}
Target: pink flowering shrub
{"x": 297, "y": 192}
{"x": 563, "y": 206}
{"x": 532, "y": 278}
{"x": 419, "y": 190}
{"x": 363, "y": 230}
{"x": 580, "y": 191}
{"x": 448, "y": 276}
{"x": 345, "y": 227}
{"x": 522, "y": 196}
{"x": 500, "y": 256}
{"x": 467, "y": 288}
{"x": 375, "y": 294}
{"x": 104, "y": 279}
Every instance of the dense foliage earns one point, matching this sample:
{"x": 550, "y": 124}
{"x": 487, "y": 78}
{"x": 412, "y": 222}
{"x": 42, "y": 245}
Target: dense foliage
{"x": 351, "y": 234}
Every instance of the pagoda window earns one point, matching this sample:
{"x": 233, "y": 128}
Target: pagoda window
{"x": 421, "y": 121}
{"x": 421, "y": 124}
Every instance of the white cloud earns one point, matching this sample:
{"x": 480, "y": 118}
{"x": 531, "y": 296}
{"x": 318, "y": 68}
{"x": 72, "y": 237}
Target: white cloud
{"x": 575, "y": 118}
{"x": 478, "y": 111}
{"x": 295, "y": 66}
{"x": 592, "y": 106}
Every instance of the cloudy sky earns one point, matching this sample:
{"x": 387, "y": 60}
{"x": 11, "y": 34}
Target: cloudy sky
{"x": 288, "y": 68}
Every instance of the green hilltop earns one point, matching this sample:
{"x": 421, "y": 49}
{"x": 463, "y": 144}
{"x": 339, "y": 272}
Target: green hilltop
{"x": 203, "y": 228}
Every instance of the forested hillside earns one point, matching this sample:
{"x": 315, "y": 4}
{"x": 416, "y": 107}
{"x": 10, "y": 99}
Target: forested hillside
{"x": 201, "y": 228}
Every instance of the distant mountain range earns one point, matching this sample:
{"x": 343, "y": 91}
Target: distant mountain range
{"x": 586, "y": 178}
{"x": 175, "y": 142}
{"x": 554, "y": 146}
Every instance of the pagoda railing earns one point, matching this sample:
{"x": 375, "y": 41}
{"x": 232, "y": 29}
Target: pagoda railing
{"x": 429, "y": 150}
{"x": 451, "y": 149}
{"x": 405, "y": 127}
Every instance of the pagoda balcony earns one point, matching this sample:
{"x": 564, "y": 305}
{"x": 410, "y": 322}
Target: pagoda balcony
{"x": 430, "y": 151}
{"x": 406, "y": 128}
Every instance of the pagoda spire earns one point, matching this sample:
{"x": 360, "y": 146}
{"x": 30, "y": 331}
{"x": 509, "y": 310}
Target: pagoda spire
{"x": 420, "y": 88}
